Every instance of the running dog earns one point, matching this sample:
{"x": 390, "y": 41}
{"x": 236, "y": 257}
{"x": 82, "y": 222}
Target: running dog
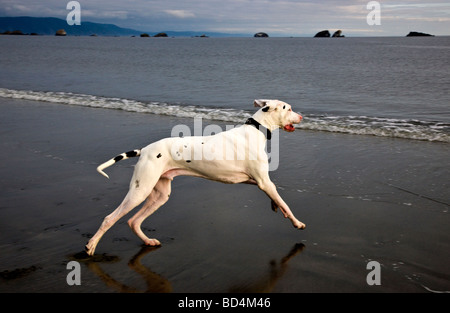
{"x": 234, "y": 156}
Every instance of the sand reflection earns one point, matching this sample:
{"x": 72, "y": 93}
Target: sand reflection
{"x": 155, "y": 282}
{"x": 158, "y": 284}
{"x": 277, "y": 269}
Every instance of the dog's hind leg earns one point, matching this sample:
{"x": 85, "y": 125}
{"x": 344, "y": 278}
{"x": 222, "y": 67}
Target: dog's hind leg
{"x": 159, "y": 196}
{"x": 137, "y": 193}
{"x": 129, "y": 203}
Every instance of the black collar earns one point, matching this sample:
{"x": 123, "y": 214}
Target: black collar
{"x": 259, "y": 127}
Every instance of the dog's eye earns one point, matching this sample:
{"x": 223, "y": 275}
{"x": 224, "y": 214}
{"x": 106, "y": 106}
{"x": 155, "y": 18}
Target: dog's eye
{"x": 284, "y": 107}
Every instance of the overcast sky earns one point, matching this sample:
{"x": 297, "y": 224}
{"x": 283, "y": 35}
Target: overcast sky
{"x": 276, "y": 17}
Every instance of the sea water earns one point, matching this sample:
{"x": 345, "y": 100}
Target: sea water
{"x": 393, "y": 86}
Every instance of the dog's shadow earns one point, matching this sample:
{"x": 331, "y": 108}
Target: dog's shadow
{"x": 276, "y": 271}
{"x": 158, "y": 284}
{"x": 155, "y": 283}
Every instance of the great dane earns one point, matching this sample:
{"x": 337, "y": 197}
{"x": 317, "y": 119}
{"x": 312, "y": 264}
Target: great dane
{"x": 234, "y": 156}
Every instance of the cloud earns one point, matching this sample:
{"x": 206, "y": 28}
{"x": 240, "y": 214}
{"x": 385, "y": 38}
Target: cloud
{"x": 180, "y": 13}
{"x": 276, "y": 17}
{"x": 111, "y": 15}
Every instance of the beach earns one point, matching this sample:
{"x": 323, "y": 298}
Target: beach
{"x": 362, "y": 198}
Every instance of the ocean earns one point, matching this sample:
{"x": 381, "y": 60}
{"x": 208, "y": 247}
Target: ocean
{"x": 391, "y": 87}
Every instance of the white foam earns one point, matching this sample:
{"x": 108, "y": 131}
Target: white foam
{"x": 356, "y": 125}
{"x": 376, "y": 126}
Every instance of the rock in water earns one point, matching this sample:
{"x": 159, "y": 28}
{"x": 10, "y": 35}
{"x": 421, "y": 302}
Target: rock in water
{"x": 261, "y": 35}
{"x": 60, "y": 32}
{"x": 323, "y": 33}
{"x": 338, "y": 33}
{"x": 418, "y": 34}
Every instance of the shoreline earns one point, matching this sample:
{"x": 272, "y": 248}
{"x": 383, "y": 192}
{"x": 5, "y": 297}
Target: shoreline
{"x": 362, "y": 198}
{"x": 390, "y": 127}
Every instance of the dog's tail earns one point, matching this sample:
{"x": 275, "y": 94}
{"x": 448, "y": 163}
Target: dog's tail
{"x": 123, "y": 156}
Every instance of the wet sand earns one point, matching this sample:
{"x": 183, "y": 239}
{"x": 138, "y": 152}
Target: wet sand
{"x": 362, "y": 198}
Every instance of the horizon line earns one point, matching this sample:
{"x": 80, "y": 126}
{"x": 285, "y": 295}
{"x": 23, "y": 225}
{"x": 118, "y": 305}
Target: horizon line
{"x": 228, "y": 34}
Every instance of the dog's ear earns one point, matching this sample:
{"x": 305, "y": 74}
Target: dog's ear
{"x": 264, "y": 104}
{"x": 260, "y": 103}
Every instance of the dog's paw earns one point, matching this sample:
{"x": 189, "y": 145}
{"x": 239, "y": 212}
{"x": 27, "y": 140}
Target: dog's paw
{"x": 89, "y": 250}
{"x": 299, "y": 225}
{"x": 152, "y": 242}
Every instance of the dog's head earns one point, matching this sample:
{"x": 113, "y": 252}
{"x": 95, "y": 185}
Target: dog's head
{"x": 276, "y": 114}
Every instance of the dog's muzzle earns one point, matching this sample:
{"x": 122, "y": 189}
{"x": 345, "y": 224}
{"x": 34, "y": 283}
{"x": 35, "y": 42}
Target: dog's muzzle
{"x": 290, "y": 127}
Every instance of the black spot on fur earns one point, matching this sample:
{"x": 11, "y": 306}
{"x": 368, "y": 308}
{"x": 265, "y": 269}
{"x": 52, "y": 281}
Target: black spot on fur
{"x": 265, "y": 109}
{"x": 188, "y": 161}
{"x": 131, "y": 154}
{"x": 159, "y": 155}
{"x": 118, "y": 158}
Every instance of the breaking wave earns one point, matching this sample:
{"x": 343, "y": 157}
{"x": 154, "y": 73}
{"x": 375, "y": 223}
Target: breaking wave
{"x": 357, "y": 125}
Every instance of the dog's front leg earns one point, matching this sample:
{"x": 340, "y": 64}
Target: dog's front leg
{"x": 269, "y": 188}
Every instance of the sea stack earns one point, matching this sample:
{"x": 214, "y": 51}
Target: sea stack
{"x": 322, "y": 34}
{"x": 418, "y": 34}
{"x": 60, "y": 32}
{"x": 260, "y": 35}
{"x": 338, "y": 34}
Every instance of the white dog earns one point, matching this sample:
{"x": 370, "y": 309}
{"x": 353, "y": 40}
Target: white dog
{"x": 234, "y": 156}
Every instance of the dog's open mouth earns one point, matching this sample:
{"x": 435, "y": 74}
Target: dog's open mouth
{"x": 289, "y": 128}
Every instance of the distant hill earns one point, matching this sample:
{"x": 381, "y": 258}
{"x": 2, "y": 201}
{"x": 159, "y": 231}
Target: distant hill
{"x": 49, "y": 26}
